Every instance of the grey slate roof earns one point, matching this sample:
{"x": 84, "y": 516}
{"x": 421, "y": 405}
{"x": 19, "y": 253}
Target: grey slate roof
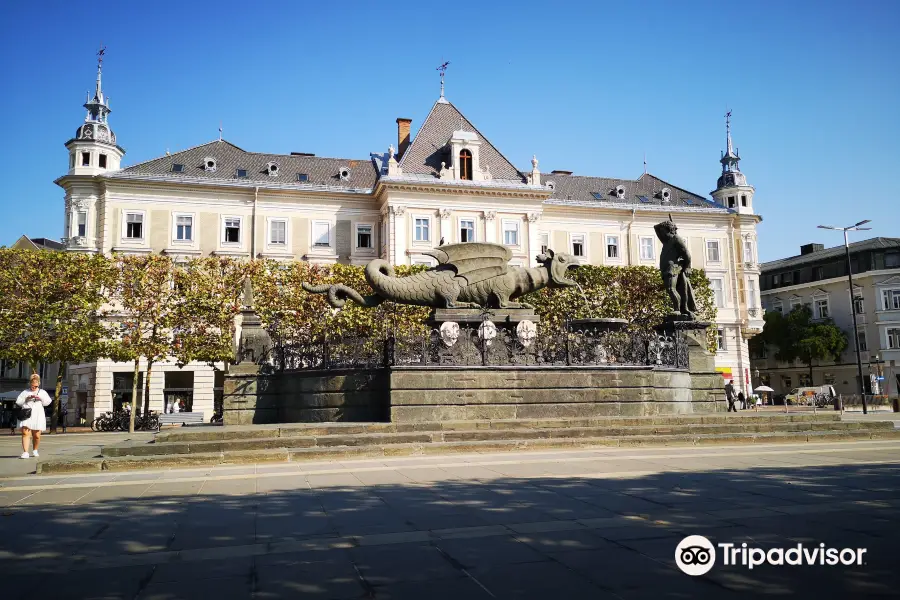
{"x": 428, "y": 149}
{"x": 876, "y": 243}
{"x": 230, "y": 158}
{"x": 580, "y": 189}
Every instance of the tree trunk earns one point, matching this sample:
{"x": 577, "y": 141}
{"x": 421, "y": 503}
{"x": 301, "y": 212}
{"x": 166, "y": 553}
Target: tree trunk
{"x": 810, "y": 372}
{"x": 134, "y": 391}
{"x": 56, "y": 395}
{"x": 147, "y": 389}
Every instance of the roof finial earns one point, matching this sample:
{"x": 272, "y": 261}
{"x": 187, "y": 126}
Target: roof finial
{"x": 728, "y": 132}
{"x": 645, "y": 163}
{"x": 100, "y": 53}
{"x": 443, "y": 69}
{"x": 220, "y": 131}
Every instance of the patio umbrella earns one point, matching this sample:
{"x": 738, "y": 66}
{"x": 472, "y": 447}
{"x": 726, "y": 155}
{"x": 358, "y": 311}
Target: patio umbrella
{"x": 763, "y": 388}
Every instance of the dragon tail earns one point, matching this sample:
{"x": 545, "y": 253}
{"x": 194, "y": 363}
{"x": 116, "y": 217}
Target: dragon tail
{"x": 337, "y": 295}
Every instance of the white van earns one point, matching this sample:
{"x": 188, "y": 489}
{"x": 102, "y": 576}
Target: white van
{"x": 819, "y": 395}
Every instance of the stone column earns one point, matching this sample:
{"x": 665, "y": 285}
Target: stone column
{"x": 490, "y": 226}
{"x": 398, "y": 229}
{"x": 534, "y": 238}
{"x": 446, "y": 226}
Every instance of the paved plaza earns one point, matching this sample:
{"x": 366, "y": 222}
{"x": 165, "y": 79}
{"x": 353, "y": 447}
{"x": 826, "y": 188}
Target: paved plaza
{"x": 596, "y": 524}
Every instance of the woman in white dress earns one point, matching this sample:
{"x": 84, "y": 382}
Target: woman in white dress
{"x": 36, "y": 399}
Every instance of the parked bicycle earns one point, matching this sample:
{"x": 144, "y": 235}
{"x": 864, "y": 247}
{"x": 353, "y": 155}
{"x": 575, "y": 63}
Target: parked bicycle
{"x": 120, "y": 420}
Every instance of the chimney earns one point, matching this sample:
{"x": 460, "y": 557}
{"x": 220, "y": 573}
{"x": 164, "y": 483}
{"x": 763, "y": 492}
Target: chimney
{"x": 810, "y": 248}
{"x": 402, "y": 136}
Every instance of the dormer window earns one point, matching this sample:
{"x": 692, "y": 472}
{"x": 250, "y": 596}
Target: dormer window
{"x": 344, "y": 173}
{"x": 178, "y": 168}
{"x": 465, "y": 164}
{"x": 272, "y": 169}
{"x": 241, "y": 174}
{"x": 302, "y": 177}
{"x": 620, "y": 191}
{"x": 209, "y": 163}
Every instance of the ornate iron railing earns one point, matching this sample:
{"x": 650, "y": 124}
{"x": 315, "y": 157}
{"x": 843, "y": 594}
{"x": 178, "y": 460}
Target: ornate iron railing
{"x": 482, "y": 346}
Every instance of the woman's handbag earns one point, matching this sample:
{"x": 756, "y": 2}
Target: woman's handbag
{"x": 21, "y": 413}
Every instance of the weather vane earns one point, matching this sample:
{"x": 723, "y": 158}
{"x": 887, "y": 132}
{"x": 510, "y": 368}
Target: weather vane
{"x": 443, "y": 69}
{"x": 100, "y": 54}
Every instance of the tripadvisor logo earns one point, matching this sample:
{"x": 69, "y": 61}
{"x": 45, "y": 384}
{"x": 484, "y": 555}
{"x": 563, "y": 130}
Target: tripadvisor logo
{"x": 696, "y": 555}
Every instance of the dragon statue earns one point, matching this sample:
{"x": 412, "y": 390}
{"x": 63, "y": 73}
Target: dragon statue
{"x": 468, "y": 275}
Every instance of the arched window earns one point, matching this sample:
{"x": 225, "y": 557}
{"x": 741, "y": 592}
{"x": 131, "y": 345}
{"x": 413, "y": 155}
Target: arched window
{"x": 465, "y": 165}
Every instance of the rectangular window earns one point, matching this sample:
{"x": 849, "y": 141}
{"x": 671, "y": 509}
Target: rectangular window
{"x": 178, "y": 168}
{"x": 859, "y": 305}
{"x": 102, "y": 161}
{"x": 730, "y": 201}
{"x": 891, "y": 299}
{"x": 422, "y": 229}
{"x": 776, "y": 280}
{"x": 721, "y": 342}
{"x": 787, "y": 278}
{"x": 891, "y": 260}
{"x": 72, "y": 160}
{"x": 322, "y": 234}
{"x": 184, "y": 228}
{"x": 712, "y": 251}
{"x": 466, "y": 230}
{"x": 804, "y": 380}
{"x": 612, "y": 246}
{"x": 863, "y": 343}
{"x": 818, "y": 273}
{"x": 893, "y": 338}
{"x": 718, "y": 288}
{"x": 778, "y": 307}
{"x": 820, "y": 310}
{"x": 85, "y": 159}
{"x": 545, "y": 242}
{"x": 787, "y": 382}
{"x": 795, "y": 302}
{"x": 748, "y": 251}
{"x": 364, "y": 236}
{"x": 578, "y": 244}
{"x": 647, "y": 248}
{"x": 232, "y": 230}
{"x": 134, "y": 226}
{"x": 278, "y": 232}
{"x": 241, "y": 174}
{"x": 511, "y": 233}
{"x": 751, "y": 293}
{"x": 82, "y": 223}
{"x": 302, "y": 177}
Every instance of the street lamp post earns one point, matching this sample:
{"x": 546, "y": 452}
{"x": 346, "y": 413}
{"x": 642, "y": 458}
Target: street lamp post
{"x": 862, "y": 391}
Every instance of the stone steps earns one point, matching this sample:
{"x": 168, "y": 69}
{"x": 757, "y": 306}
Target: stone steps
{"x": 321, "y": 429}
{"x": 325, "y": 437}
{"x": 297, "y": 454}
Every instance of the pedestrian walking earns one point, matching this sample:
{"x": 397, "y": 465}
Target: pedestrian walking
{"x": 729, "y": 395}
{"x": 32, "y": 419}
{"x": 742, "y": 400}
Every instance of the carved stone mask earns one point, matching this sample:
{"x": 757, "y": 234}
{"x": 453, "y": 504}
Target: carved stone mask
{"x": 449, "y": 333}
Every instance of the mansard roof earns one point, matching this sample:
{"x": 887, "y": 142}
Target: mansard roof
{"x": 830, "y": 254}
{"x": 643, "y": 192}
{"x": 229, "y": 158}
{"x": 429, "y": 148}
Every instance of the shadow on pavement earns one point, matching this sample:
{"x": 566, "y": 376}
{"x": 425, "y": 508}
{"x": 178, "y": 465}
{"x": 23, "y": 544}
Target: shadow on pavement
{"x": 330, "y": 536}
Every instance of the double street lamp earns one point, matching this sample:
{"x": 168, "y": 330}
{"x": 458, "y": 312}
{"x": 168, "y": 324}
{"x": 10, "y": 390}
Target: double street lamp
{"x": 862, "y": 391}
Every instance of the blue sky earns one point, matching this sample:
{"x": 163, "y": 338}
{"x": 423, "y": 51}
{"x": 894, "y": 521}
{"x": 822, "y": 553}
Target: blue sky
{"x": 588, "y": 87}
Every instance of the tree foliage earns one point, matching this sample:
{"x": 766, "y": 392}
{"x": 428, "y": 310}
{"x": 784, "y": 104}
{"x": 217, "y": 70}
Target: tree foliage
{"x": 48, "y": 309}
{"x": 797, "y": 336}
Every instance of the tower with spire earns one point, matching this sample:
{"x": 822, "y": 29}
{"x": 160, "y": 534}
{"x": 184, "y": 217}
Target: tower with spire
{"x": 93, "y": 150}
{"x": 732, "y": 190}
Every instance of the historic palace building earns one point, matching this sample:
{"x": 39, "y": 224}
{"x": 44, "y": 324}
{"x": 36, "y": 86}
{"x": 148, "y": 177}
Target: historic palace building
{"x": 446, "y": 182}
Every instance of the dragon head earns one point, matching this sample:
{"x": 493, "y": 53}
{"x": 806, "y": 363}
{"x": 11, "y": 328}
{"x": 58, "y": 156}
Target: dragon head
{"x": 557, "y": 265}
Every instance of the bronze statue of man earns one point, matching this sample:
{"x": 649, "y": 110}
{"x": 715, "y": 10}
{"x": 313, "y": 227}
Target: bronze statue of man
{"x": 675, "y": 266}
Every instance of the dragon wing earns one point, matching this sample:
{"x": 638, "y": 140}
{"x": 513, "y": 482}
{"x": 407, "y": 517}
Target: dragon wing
{"x": 473, "y": 261}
